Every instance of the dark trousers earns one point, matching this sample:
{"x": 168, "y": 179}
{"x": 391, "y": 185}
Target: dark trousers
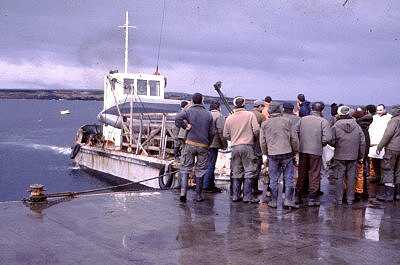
{"x": 209, "y": 177}
{"x": 309, "y": 172}
{"x": 345, "y": 169}
{"x": 391, "y": 167}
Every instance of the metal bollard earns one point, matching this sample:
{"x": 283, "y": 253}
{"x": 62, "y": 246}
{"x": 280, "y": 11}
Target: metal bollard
{"x": 37, "y": 193}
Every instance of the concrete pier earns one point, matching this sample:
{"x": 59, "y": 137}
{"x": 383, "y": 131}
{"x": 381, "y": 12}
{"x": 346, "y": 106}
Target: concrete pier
{"x": 154, "y": 228}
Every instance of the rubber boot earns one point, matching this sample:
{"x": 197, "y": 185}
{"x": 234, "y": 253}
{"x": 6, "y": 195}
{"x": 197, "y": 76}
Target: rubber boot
{"x": 199, "y": 190}
{"x": 397, "y": 191}
{"x": 256, "y": 191}
{"x": 274, "y": 197}
{"x": 236, "y": 189}
{"x": 387, "y": 195}
{"x": 313, "y": 200}
{"x": 248, "y": 191}
{"x": 184, "y": 185}
{"x": 266, "y": 195}
{"x": 289, "y": 199}
{"x": 298, "y": 198}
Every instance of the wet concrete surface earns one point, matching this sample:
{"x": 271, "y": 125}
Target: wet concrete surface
{"x": 155, "y": 228}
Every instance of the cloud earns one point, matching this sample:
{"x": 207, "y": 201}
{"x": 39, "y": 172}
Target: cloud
{"x": 321, "y": 48}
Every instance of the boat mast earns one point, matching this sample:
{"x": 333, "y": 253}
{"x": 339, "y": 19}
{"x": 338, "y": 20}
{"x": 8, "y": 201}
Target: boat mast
{"x": 126, "y": 28}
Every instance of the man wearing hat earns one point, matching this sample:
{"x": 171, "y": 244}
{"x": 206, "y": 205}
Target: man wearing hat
{"x": 241, "y": 128}
{"x": 257, "y": 110}
{"x": 349, "y": 142}
{"x": 280, "y": 142}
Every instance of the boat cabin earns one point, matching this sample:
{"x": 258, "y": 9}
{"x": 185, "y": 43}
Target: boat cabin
{"x": 124, "y": 87}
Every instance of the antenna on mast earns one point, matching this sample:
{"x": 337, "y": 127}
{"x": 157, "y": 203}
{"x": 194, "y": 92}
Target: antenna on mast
{"x": 126, "y": 27}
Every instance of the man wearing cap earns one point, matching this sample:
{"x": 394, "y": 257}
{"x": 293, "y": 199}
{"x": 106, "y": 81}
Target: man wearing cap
{"x": 218, "y": 142}
{"x": 289, "y": 115}
{"x": 241, "y": 128}
{"x": 199, "y": 124}
{"x": 314, "y": 133}
{"x": 349, "y": 142}
{"x": 391, "y": 159}
{"x": 280, "y": 142}
{"x": 257, "y": 110}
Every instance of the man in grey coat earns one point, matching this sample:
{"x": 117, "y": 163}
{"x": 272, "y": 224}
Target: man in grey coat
{"x": 199, "y": 124}
{"x": 218, "y": 142}
{"x": 391, "y": 159}
{"x": 279, "y": 141}
{"x": 314, "y": 133}
{"x": 349, "y": 142}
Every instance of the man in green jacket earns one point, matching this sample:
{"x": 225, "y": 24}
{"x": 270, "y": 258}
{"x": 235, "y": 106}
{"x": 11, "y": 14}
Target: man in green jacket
{"x": 391, "y": 160}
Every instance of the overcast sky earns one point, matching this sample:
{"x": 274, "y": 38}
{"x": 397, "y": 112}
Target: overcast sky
{"x": 279, "y": 48}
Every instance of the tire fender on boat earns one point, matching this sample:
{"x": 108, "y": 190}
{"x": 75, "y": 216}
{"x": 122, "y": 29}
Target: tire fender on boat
{"x": 75, "y": 151}
{"x": 166, "y": 178}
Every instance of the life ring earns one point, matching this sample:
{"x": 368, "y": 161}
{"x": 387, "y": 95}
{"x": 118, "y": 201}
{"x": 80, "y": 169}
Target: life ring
{"x": 75, "y": 151}
{"x": 166, "y": 178}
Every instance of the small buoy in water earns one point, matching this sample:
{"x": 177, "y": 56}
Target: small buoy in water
{"x": 37, "y": 193}
{"x": 65, "y": 112}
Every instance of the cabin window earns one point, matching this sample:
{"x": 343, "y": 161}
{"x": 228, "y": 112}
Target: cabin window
{"x": 129, "y": 84}
{"x": 142, "y": 87}
{"x": 154, "y": 87}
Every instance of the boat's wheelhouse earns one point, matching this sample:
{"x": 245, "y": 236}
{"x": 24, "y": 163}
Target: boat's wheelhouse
{"x": 123, "y": 87}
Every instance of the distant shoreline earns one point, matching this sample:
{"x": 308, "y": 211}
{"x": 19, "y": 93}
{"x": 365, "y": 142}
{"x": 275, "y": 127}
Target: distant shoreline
{"x": 81, "y": 94}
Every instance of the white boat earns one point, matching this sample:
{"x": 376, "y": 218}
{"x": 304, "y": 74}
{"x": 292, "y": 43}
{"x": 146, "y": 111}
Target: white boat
{"x": 135, "y": 140}
{"x": 65, "y": 112}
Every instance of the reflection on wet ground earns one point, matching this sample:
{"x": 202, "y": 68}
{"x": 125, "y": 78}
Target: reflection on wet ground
{"x": 154, "y": 228}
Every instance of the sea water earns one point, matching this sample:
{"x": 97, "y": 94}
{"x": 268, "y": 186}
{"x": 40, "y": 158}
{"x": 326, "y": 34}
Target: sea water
{"x": 35, "y": 141}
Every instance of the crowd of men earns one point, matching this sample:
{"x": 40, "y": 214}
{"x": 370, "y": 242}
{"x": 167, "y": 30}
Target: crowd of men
{"x": 293, "y": 141}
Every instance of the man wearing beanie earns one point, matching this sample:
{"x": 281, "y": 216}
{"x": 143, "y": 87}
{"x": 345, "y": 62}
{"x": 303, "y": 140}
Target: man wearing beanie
{"x": 349, "y": 142}
{"x": 391, "y": 159}
{"x": 199, "y": 124}
{"x": 241, "y": 128}
{"x": 314, "y": 133}
{"x": 280, "y": 142}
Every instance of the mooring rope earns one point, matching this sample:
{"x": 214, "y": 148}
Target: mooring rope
{"x": 77, "y": 193}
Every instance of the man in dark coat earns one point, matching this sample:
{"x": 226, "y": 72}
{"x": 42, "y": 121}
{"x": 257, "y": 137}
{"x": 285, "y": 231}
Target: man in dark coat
{"x": 303, "y": 106}
{"x": 199, "y": 124}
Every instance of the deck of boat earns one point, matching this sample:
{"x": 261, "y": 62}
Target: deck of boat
{"x": 154, "y": 228}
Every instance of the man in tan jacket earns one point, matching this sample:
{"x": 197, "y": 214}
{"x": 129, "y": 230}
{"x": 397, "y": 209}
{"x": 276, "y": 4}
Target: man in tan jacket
{"x": 241, "y": 128}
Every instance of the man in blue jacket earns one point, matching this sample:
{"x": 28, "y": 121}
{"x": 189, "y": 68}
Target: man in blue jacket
{"x": 199, "y": 124}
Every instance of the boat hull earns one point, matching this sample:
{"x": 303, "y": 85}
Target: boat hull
{"x": 131, "y": 167}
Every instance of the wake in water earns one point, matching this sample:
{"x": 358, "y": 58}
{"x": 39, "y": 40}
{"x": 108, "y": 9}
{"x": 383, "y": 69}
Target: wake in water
{"x": 43, "y": 147}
